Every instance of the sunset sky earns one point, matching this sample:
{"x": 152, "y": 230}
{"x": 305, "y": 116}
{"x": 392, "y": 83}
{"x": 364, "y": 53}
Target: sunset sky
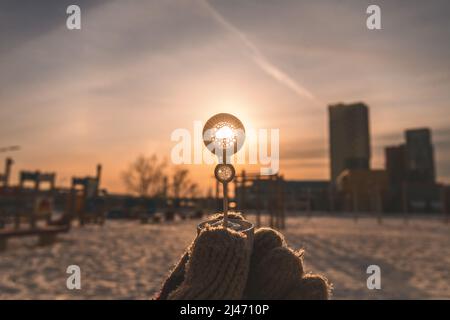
{"x": 137, "y": 70}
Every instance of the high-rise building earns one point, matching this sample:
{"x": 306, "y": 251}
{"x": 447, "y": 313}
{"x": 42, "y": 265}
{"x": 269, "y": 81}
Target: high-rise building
{"x": 411, "y": 173}
{"x": 349, "y": 137}
{"x": 395, "y": 162}
{"x": 420, "y": 156}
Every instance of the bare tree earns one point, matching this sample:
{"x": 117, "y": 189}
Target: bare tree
{"x": 193, "y": 190}
{"x": 183, "y": 187}
{"x": 145, "y": 176}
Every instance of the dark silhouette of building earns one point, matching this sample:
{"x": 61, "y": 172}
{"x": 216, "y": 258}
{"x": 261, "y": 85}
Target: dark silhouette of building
{"x": 308, "y": 195}
{"x": 363, "y": 190}
{"x": 298, "y": 195}
{"x": 420, "y": 156}
{"x": 349, "y": 138}
{"x": 421, "y": 193}
{"x": 411, "y": 172}
{"x": 395, "y": 163}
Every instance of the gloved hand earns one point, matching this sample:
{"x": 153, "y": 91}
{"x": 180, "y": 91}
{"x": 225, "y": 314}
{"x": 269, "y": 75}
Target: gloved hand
{"x": 219, "y": 265}
{"x": 276, "y": 272}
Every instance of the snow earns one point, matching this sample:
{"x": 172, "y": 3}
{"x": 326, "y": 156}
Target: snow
{"x": 128, "y": 260}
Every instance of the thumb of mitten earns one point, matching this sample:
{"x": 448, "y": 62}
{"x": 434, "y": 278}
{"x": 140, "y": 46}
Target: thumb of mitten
{"x": 276, "y": 271}
{"x": 218, "y": 266}
{"x": 310, "y": 287}
{"x": 174, "y": 279}
{"x": 274, "y": 275}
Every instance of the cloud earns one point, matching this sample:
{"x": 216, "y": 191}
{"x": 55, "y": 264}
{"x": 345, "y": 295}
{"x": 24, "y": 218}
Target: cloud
{"x": 258, "y": 57}
{"x": 140, "y": 68}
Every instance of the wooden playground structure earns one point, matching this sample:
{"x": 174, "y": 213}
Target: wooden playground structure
{"x": 85, "y": 202}
{"x": 261, "y": 193}
{"x": 28, "y": 209}
{"x": 4, "y": 177}
{"x": 21, "y": 206}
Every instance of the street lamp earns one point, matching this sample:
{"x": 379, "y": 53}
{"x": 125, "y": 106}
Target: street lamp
{"x": 224, "y": 135}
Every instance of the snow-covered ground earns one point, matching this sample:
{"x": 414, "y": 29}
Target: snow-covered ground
{"x": 127, "y": 260}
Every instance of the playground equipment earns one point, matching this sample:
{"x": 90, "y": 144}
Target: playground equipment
{"x": 147, "y": 211}
{"x": 4, "y": 177}
{"x": 29, "y": 204}
{"x": 39, "y": 200}
{"x": 46, "y": 235}
{"x": 85, "y": 203}
{"x": 20, "y": 203}
{"x": 36, "y": 177}
{"x": 261, "y": 193}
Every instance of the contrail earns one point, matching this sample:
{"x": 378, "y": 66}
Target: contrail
{"x": 257, "y": 56}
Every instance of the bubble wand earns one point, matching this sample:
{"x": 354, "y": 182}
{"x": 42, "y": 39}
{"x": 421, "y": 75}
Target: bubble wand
{"x": 224, "y": 135}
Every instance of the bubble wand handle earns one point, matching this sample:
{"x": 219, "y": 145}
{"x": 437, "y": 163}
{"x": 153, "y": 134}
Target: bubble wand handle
{"x": 225, "y": 193}
{"x": 225, "y": 205}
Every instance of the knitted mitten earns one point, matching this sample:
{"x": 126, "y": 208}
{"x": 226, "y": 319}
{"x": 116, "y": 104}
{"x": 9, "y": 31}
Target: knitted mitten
{"x": 231, "y": 215}
{"x": 176, "y": 276}
{"x": 276, "y": 271}
{"x": 217, "y": 267}
{"x": 310, "y": 287}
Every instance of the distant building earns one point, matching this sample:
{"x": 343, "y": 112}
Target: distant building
{"x": 298, "y": 195}
{"x": 422, "y": 198}
{"x": 420, "y": 156}
{"x": 395, "y": 162}
{"x": 363, "y": 190}
{"x": 411, "y": 172}
{"x": 308, "y": 195}
{"x": 445, "y": 194}
{"x": 421, "y": 192}
{"x": 349, "y": 138}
